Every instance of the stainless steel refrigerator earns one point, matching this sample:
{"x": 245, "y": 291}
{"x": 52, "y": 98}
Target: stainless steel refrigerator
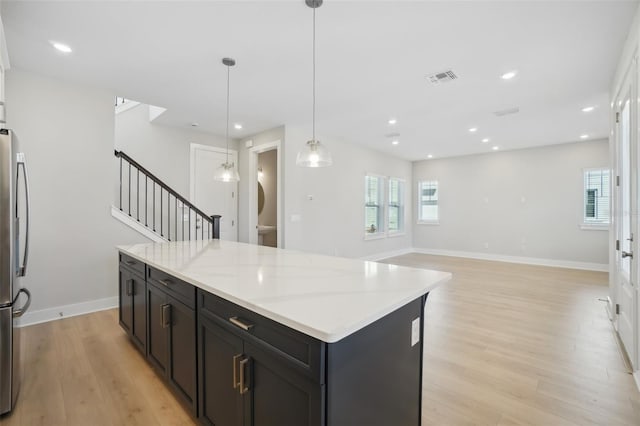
{"x": 14, "y": 253}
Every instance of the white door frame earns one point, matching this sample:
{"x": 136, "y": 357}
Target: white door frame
{"x": 628, "y": 86}
{"x": 233, "y": 154}
{"x": 253, "y": 191}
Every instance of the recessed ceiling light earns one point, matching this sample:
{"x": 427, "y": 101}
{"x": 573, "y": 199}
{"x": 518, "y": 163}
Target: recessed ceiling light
{"x": 584, "y": 136}
{"x": 194, "y": 124}
{"x": 473, "y": 129}
{"x": 429, "y": 156}
{"x": 588, "y": 109}
{"x": 237, "y": 126}
{"x": 508, "y": 75}
{"x": 395, "y": 142}
{"x": 61, "y": 47}
{"x": 485, "y": 140}
{"x": 495, "y": 148}
{"x": 392, "y": 121}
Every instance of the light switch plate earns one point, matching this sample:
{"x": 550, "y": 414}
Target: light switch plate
{"x": 415, "y": 331}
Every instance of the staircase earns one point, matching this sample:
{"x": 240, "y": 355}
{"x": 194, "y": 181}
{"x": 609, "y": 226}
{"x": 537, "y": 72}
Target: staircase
{"x": 156, "y": 210}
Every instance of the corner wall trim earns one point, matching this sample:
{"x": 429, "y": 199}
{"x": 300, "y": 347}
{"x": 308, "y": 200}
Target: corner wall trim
{"x": 133, "y": 224}
{"x": 60, "y": 312}
{"x": 588, "y": 266}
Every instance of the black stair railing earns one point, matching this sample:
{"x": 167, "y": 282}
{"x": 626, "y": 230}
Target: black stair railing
{"x": 159, "y": 207}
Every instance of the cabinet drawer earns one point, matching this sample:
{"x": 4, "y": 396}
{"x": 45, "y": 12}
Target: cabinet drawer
{"x": 131, "y": 263}
{"x": 181, "y": 290}
{"x": 302, "y": 352}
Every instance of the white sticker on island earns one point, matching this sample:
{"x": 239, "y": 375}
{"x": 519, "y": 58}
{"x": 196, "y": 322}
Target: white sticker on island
{"x": 415, "y": 331}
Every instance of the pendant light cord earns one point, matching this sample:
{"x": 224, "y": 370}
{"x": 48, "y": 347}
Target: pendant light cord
{"x": 227, "y": 133}
{"x": 313, "y": 121}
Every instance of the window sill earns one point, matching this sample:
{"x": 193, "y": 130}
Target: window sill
{"x": 396, "y": 234}
{"x": 428, "y": 222}
{"x": 376, "y": 236}
{"x": 594, "y": 227}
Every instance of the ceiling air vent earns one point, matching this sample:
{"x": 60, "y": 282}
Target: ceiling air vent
{"x": 442, "y": 77}
{"x": 507, "y": 111}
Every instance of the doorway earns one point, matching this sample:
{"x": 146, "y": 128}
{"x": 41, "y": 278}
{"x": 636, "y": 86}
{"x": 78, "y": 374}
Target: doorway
{"x": 212, "y": 196}
{"x": 624, "y": 292}
{"x": 265, "y": 195}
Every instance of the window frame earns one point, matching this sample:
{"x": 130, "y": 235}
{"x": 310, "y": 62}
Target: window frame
{"x": 419, "y": 220}
{"x": 588, "y": 225}
{"x": 402, "y": 206}
{"x": 382, "y": 200}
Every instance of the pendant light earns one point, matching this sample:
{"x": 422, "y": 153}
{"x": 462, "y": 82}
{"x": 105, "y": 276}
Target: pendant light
{"x": 227, "y": 171}
{"x": 314, "y": 154}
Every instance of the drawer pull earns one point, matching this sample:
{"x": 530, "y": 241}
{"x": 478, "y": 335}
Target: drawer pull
{"x": 244, "y": 388}
{"x": 130, "y": 262}
{"x": 243, "y": 325}
{"x": 235, "y": 370}
{"x": 166, "y": 282}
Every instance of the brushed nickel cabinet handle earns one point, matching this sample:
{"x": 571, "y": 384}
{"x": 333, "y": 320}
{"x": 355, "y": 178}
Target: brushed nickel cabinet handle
{"x": 244, "y": 388}
{"x": 130, "y": 262}
{"x": 166, "y": 282}
{"x": 238, "y": 322}
{"x": 235, "y": 370}
{"x": 129, "y": 287}
{"x": 165, "y": 317}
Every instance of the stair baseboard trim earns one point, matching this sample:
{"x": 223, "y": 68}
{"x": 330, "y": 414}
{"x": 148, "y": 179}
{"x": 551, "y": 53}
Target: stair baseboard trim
{"x": 135, "y": 225}
{"x": 66, "y": 311}
{"x": 588, "y": 266}
{"x": 387, "y": 254}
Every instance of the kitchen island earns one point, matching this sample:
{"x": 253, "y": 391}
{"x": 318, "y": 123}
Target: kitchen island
{"x": 252, "y": 335}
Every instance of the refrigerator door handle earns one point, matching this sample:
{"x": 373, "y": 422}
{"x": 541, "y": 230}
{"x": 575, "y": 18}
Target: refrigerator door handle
{"x": 17, "y": 313}
{"x": 21, "y": 162}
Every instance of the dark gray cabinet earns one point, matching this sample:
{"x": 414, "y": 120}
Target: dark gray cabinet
{"x": 172, "y": 339}
{"x": 254, "y": 371}
{"x": 133, "y": 305}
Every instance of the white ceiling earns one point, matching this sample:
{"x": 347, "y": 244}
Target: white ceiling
{"x": 372, "y": 61}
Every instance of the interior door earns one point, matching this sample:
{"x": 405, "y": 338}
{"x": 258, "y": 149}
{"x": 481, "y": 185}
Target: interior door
{"x": 626, "y": 221}
{"x": 212, "y": 196}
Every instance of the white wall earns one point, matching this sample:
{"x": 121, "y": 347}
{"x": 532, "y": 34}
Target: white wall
{"x": 333, "y": 222}
{"x": 66, "y": 133}
{"x": 162, "y": 150}
{"x": 523, "y": 203}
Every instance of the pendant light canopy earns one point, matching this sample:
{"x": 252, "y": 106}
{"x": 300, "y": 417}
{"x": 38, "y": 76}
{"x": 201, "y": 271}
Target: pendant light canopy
{"x": 314, "y": 154}
{"x": 227, "y": 171}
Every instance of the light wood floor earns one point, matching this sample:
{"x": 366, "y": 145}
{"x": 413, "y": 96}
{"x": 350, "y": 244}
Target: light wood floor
{"x": 505, "y": 345}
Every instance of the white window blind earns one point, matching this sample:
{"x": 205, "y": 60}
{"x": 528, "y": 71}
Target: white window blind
{"x": 396, "y": 206}
{"x": 428, "y": 201}
{"x": 596, "y": 196}
{"x": 373, "y": 205}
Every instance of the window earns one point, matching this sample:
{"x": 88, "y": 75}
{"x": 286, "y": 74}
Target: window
{"x": 373, "y": 205}
{"x": 396, "y": 206}
{"x": 596, "y": 197}
{"x": 428, "y": 201}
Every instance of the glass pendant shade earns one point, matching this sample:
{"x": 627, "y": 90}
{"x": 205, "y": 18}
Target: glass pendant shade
{"x": 314, "y": 154}
{"x": 227, "y": 173}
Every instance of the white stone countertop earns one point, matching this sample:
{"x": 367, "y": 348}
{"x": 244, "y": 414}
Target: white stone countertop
{"x": 325, "y": 297}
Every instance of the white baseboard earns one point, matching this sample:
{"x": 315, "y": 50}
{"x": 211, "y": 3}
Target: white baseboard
{"x": 133, "y": 224}
{"x": 636, "y": 377}
{"x": 387, "y": 254}
{"x": 601, "y": 267}
{"x": 59, "y": 312}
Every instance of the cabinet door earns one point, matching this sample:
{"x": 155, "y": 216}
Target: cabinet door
{"x": 159, "y": 323}
{"x": 126, "y": 301}
{"x": 139, "y": 297}
{"x": 220, "y": 353}
{"x": 182, "y": 350}
{"x": 277, "y": 395}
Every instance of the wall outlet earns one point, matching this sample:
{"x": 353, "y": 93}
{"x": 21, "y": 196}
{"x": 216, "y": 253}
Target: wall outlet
{"x": 415, "y": 331}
